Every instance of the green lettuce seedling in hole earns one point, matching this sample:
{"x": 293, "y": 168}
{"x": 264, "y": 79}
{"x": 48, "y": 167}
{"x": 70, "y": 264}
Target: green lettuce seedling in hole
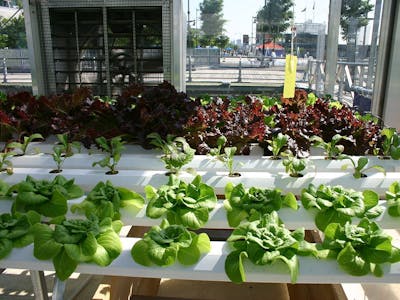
{"x": 339, "y": 205}
{"x": 48, "y": 198}
{"x": 113, "y": 149}
{"x": 391, "y": 143}
{"x": 5, "y": 162}
{"x": 23, "y": 145}
{"x": 293, "y": 165}
{"x": 250, "y": 204}
{"x": 360, "y": 167}
{"x": 265, "y": 242}
{"x": 176, "y": 151}
{"x": 163, "y": 245}
{"x": 332, "y": 149}
{"x": 277, "y": 144}
{"x": 15, "y": 231}
{"x": 105, "y": 200}
{"x": 360, "y": 249}
{"x": 226, "y": 157}
{"x": 70, "y": 242}
{"x": 393, "y": 199}
{"x": 63, "y": 150}
{"x": 182, "y": 203}
{"x": 4, "y": 187}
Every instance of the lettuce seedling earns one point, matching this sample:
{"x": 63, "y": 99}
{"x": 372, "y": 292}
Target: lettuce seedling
{"x": 113, "y": 149}
{"x": 265, "y": 242}
{"x": 293, "y": 165}
{"x": 23, "y": 145}
{"x": 5, "y": 162}
{"x": 71, "y": 242}
{"x": 163, "y": 245}
{"x": 63, "y": 150}
{"x": 177, "y": 152}
{"x": 48, "y": 198}
{"x": 277, "y": 144}
{"x": 332, "y": 149}
{"x": 360, "y": 249}
{"x": 15, "y": 231}
{"x": 225, "y": 157}
{"x": 391, "y": 143}
{"x": 182, "y": 203}
{"x": 105, "y": 200}
{"x": 250, "y": 204}
{"x": 339, "y": 205}
{"x": 393, "y": 199}
{"x": 361, "y": 166}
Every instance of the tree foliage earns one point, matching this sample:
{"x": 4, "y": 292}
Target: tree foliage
{"x": 12, "y": 33}
{"x": 354, "y": 14}
{"x": 212, "y": 20}
{"x": 274, "y": 17}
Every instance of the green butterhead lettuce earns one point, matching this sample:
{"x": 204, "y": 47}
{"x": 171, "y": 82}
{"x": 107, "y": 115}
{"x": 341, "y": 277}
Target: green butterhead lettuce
{"x": 393, "y": 199}
{"x": 182, "y": 203}
{"x": 74, "y": 241}
{"x": 360, "y": 249}
{"x": 339, "y": 205}
{"x": 265, "y": 242}
{"x": 242, "y": 204}
{"x": 48, "y": 198}
{"x": 15, "y": 231}
{"x": 163, "y": 245}
{"x": 105, "y": 200}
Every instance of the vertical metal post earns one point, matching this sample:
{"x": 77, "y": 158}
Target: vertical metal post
{"x": 240, "y": 70}
{"x": 190, "y": 69}
{"x": 341, "y": 82}
{"x": 39, "y": 285}
{"x": 374, "y": 41}
{"x": 106, "y": 51}
{"x": 58, "y": 289}
{"x": 78, "y": 54}
{"x": 332, "y": 47}
{"x": 4, "y": 70}
{"x": 134, "y": 46}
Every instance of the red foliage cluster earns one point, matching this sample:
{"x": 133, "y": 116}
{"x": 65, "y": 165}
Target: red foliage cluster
{"x": 241, "y": 123}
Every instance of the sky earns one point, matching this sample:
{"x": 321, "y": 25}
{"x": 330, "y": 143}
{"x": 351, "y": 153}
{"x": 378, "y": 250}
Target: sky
{"x": 239, "y": 13}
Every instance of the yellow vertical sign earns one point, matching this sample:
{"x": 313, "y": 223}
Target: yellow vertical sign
{"x": 290, "y": 76}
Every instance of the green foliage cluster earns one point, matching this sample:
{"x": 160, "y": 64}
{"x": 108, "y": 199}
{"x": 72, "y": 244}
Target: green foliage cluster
{"x": 264, "y": 242}
{"x": 105, "y": 201}
{"x": 250, "y": 204}
{"x": 13, "y": 33}
{"x": 113, "y": 149}
{"x": 181, "y": 203}
{"x": 339, "y": 205}
{"x": 360, "y": 249}
{"x": 71, "y": 242}
{"x": 48, "y": 198}
{"x": 177, "y": 151}
{"x": 15, "y": 231}
{"x": 163, "y": 245}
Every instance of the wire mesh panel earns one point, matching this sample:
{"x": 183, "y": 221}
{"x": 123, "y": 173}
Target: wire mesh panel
{"x": 78, "y": 49}
{"x": 134, "y": 47}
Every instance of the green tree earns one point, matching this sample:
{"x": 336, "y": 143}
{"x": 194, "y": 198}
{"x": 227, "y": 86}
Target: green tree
{"x": 274, "y": 18}
{"x": 221, "y": 41}
{"x": 354, "y": 15}
{"x": 193, "y": 37}
{"x": 212, "y": 20}
{"x": 12, "y": 33}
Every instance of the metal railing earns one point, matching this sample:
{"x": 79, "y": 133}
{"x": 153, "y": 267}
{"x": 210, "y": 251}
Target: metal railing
{"x": 350, "y": 76}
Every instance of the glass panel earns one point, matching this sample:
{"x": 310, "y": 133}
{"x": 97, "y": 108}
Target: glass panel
{"x": 251, "y": 45}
